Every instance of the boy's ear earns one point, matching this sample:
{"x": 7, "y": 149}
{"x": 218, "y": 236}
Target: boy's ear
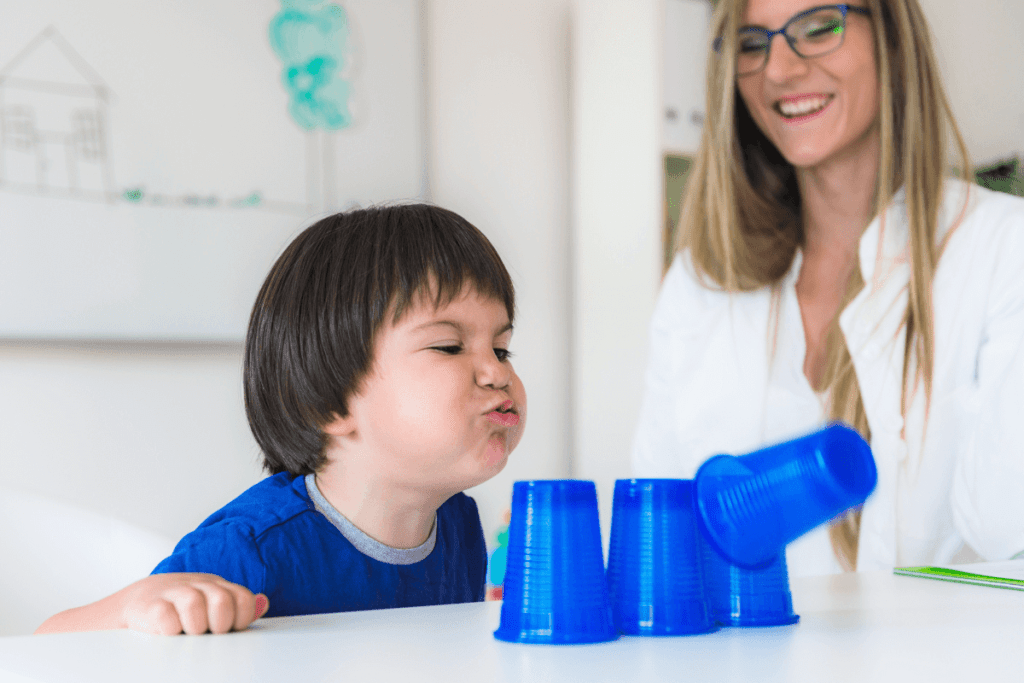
{"x": 340, "y": 426}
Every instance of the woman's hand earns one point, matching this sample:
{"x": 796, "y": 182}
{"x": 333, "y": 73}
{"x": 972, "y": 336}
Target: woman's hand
{"x": 167, "y": 604}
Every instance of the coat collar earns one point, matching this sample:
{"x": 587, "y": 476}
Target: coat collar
{"x": 886, "y": 241}
{"x": 874, "y": 322}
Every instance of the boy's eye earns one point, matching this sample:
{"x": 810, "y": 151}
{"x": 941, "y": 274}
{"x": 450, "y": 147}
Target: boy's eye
{"x": 501, "y": 354}
{"x": 450, "y": 350}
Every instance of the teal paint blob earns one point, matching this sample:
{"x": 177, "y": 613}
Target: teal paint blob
{"x": 498, "y": 560}
{"x": 134, "y": 195}
{"x": 312, "y": 40}
{"x": 253, "y": 199}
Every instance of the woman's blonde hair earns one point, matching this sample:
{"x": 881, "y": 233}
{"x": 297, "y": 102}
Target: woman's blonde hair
{"x": 741, "y": 216}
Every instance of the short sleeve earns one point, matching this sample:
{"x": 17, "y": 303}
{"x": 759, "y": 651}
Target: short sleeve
{"x": 475, "y": 548}
{"x": 226, "y": 549}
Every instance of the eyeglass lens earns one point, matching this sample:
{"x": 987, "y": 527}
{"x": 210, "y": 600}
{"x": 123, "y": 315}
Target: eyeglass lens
{"x": 810, "y": 35}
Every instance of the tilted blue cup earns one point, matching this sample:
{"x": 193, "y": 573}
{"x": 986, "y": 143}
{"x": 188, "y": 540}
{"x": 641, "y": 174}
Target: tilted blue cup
{"x": 749, "y": 507}
{"x": 738, "y": 596}
{"x": 655, "y": 573}
{"x": 555, "y": 590}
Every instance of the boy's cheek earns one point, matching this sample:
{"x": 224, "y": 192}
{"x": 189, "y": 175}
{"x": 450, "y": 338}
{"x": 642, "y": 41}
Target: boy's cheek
{"x": 516, "y": 433}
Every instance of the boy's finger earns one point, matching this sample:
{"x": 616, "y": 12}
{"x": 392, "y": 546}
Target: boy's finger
{"x": 262, "y": 606}
{"x": 247, "y": 607}
{"x": 161, "y": 618}
{"x": 221, "y": 608}
{"x": 190, "y": 604}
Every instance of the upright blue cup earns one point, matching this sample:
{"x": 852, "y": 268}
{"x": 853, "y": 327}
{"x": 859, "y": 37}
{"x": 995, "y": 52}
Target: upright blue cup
{"x": 655, "y": 573}
{"x": 555, "y": 590}
{"x": 749, "y": 507}
{"x": 738, "y": 596}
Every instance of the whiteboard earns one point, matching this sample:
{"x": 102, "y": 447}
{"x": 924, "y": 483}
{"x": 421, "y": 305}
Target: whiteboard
{"x": 156, "y": 158}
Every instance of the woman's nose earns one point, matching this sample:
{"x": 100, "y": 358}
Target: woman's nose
{"x": 783, "y": 63}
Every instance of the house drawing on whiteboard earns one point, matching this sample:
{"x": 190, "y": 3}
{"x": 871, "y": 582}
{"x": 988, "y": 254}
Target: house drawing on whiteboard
{"x": 53, "y": 122}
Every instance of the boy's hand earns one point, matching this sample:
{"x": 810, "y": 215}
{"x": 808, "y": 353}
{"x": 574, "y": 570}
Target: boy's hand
{"x": 194, "y": 603}
{"x": 167, "y": 604}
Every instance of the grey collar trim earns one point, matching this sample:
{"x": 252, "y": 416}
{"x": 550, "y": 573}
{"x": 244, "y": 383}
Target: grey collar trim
{"x": 363, "y": 543}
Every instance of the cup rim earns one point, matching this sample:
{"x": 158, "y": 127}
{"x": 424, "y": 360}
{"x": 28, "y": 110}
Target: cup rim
{"x": 706, "y": 530}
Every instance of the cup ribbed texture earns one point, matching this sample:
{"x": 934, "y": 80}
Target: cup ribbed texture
{"x": 752, "y": 505}
{"x": 655, "y": 574}
{"x": 747, "y": 597}
{"x": 555, "y": 590}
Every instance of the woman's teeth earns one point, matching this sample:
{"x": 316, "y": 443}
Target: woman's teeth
{"x": 802, "y": 107}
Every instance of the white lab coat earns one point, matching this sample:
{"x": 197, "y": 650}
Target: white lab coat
{"x": 953, "y": 488}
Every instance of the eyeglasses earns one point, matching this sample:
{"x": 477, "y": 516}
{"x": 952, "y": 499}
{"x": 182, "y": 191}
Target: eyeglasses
{"x": 812, "y": 33}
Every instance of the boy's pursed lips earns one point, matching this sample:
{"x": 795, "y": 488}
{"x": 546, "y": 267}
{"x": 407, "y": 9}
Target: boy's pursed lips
{"x": 504, "y": 414}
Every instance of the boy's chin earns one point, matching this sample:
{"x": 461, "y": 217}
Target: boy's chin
{"x": 492, "y": 462}
{"x": 488, "y": 465}
{"x": 497, "y": 453}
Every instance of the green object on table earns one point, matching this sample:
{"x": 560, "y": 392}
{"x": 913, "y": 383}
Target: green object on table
{"x": 957, "y": 576}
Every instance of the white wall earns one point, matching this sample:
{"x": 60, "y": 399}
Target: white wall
{"x": 498, "y": 110}
{"x": 153, "y": 434}
{"x": 686, "y": 30}
{"x": 616, "y": 200}
{"x": 156, "y": 434}
{"x": 980, "y": 48}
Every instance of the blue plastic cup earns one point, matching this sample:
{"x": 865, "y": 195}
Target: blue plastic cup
{"x": 655, "y": 573}
{"x": 738, "y": 596}
{"x": 749, "y": 507}
{"x": 555, "y": 591}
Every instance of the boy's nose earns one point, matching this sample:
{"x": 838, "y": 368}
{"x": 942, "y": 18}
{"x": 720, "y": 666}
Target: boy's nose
{"x": 491, "y": 372}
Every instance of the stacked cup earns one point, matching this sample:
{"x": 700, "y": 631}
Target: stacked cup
{"x": 683, "y": 555}
{"x": 655, "y": 577}
{"x": 737, "y": 596}
{"x": 555, "y": 591}
{"x": 750, "y": 507}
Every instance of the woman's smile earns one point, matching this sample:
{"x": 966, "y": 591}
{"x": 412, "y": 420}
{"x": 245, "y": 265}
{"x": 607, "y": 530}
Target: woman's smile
{"x": 800, "y": 108}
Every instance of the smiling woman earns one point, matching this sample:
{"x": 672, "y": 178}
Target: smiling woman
{"x": 830, "y": 80}
{"x": 830, "y": 267}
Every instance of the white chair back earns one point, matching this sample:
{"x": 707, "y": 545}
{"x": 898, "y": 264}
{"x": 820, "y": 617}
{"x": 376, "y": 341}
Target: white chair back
{"x": 54, "y": 556}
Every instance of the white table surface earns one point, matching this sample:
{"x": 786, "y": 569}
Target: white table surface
{"x": 866, "y": 627}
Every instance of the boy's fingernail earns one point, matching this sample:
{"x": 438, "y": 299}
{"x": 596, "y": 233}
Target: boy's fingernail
{"x": 262, "y": 603}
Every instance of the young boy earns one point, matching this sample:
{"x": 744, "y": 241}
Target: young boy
{"x": 378, "y": 386}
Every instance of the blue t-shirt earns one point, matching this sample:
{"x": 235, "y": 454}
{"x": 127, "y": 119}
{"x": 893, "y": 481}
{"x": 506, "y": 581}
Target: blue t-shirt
{"x": 272, "y": 540}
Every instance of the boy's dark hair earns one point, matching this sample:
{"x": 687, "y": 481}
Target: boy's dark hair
{"x": 310, "y": 338}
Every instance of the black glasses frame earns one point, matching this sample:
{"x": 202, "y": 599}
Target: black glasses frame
{"x": 769, "y": 34}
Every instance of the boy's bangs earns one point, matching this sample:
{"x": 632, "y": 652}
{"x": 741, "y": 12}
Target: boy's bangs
{"x": 439, "y": 258}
